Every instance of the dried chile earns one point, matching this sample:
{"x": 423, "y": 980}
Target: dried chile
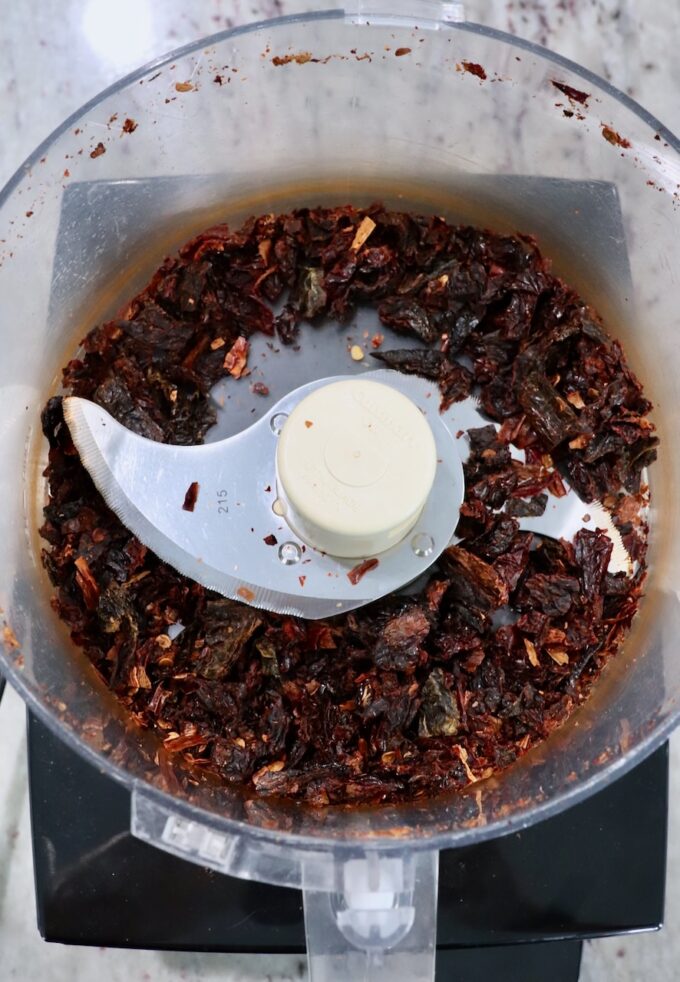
{"x": 411, "y": 695}
{"x": 191, "y": 497}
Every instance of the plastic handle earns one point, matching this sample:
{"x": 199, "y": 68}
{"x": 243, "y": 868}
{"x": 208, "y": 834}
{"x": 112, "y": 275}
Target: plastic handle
{"x": 378, "y": 924}
{"x": 369, "y": 916}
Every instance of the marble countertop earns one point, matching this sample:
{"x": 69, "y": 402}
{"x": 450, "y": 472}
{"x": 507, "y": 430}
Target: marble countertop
{"x": 54, "y": 56}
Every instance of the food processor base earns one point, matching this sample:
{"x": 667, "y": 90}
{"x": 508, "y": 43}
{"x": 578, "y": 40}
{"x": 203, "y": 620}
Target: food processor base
{"x": 516, "y": 908}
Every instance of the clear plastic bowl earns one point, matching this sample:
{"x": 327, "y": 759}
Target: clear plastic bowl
{"x": 341, "y": 106}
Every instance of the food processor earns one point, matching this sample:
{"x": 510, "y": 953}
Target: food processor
{"x": 424, "y": 112}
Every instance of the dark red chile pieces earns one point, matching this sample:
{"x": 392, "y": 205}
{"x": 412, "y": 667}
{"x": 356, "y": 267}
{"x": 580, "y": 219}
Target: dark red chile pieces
{"x": 412, "y": 695}
{"x": 191, "y": 497}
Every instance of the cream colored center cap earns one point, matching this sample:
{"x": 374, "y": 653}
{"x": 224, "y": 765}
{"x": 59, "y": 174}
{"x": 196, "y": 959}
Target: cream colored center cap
{"x": 356, "y": 461}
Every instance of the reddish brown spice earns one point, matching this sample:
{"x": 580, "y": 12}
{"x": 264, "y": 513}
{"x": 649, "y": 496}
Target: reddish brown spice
{"x": 270, "y": 540}
{"x": 98, "y": 150}
{"x": 418, "y": 693}
{"x": 130, "y": 125}
{"x": 400, "y": 52}
{"x": 191, "y": 497}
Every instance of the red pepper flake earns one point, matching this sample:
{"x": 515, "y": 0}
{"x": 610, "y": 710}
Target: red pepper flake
{"x": 259, "y": 389}
{"x": 130, "y": 125}
{"x": 361, "y": 569}
{"x": 218, "y": 80}
{"x": 9, "y": 637}
{"x": 532, "y": 653}
{"x": 377, "y": 340}
{"x": 616, "y": 140}
{"x": 28, "y": 214}
{"x": 246, "y": 594}
{"x": 270, "y": 540}
{"x": 236, "y": 358}
{"x": 98, "y": 150}
{"x": 574, "y": 94}
{"x": 568, "y": 113}
{"x": 87, "y": 583}
{"x": 183, "y": 87}
{"x": 138, "y": 679}
{"x": 400, "y": 52}
{"x": 308, "y": 423}
{"x": 366, "y": 227}
{"x": 67, "y": 173}
{"x": 302, "y": 580}
{"x": 473, "y": 68}
{"x": 191, "y": 497}
{"x": 301, "y": 58}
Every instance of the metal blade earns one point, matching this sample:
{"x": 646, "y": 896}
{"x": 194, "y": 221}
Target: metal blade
{"x": 564, "y": 517}
{"x": 221, "y": 543}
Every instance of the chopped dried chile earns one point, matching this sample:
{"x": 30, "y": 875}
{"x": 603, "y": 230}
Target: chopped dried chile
{"x": 439, "y": 713}
{"x": 413, "y": 361}
{"x": 574, "y": 94}
{"x": 592, "y": 551}
{"x": 454, "y": 380}
{"x": 400, "y": 640}
{"x": 411, "y": 695}
{"x": 474, "y": 582}
{"x": 311, "y": 295}
{"x": 359, "y": 571}
{"x": 226, "y": 628}
{"x": 191, "y": 497}
{"x": 554, "y": 595}
{"x": 551, "y": 416}
{"x": 527, "y": 508}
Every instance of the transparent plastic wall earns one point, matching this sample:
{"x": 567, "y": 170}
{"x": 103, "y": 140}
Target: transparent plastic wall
{"x": 334, "y": 107}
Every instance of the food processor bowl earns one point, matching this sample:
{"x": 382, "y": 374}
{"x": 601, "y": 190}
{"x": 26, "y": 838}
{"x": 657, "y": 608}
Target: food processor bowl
{"x": 352, "y": 105}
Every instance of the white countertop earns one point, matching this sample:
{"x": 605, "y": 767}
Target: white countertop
{"x": 54, "y": 56}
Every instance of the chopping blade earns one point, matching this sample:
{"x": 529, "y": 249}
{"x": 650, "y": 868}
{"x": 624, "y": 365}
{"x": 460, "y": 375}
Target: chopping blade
{"x": 224, "y": 513}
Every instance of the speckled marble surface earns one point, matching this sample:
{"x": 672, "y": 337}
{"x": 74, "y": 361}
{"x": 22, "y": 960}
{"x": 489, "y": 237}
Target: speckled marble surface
{"x": 53, "y": 57}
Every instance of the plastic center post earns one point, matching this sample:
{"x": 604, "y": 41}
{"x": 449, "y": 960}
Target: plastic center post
{"x": 356, "y": 461}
